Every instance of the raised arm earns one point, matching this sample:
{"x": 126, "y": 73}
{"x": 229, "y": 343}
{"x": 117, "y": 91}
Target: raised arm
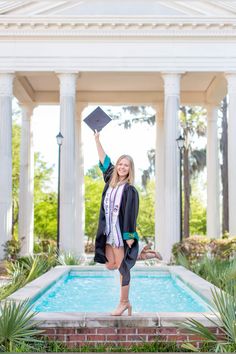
{"x": 101, "y": 152}
{"x": 105, "y": 164}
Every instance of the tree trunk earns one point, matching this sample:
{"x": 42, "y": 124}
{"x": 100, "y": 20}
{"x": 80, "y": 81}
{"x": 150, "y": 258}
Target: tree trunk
{"x": 224, "y": 168}
{"x": 187, "y": 192}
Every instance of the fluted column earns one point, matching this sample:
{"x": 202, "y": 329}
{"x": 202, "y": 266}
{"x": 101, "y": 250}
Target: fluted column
{"x": 79, "y": 177}
{"x": 67, "y": 128}
{"x": 213, "y": 174}
{"x": 6, "y": 91}
{"x": 231, "y": 78}
{"x": 160, "y": 180}
{"x": 26, "y": 190}
{"x": 171, "y": 129}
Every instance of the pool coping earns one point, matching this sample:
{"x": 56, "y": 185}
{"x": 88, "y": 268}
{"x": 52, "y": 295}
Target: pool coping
{"x": 100, "y": 319}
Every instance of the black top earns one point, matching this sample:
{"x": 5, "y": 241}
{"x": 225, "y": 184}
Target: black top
{"x": 127, "y": 219}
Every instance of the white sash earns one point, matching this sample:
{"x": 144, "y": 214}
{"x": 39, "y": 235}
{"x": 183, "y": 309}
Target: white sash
{"x": 112, "y": 203}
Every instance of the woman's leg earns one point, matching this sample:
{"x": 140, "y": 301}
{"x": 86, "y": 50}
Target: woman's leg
{"x": 119, "y": 256}
{"x": 124, "y": 290}
{"x": 111, "y": 264}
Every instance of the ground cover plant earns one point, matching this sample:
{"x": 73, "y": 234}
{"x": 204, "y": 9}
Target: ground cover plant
{"x": 160, "y": 347}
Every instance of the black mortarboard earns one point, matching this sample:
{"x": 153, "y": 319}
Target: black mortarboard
{"x": 97, "y": 120}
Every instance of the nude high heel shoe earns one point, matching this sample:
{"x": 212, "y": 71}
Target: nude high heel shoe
{"x": 122, "y": 307}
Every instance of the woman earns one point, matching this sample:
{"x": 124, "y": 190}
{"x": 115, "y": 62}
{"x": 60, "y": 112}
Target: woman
{"x": 117, "y": 240}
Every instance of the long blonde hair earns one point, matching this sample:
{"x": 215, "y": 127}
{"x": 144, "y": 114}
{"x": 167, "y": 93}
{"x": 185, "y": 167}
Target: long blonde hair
{"x": 129, "y": 178}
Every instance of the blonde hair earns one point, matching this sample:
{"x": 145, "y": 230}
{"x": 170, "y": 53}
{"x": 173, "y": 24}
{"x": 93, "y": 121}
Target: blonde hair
{"x": 129, "y": 178}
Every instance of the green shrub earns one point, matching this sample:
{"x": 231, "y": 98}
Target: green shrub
{"x": 12, "y": 249}
{"x": 195, "y": 248}
{"x": 223, "y": 248}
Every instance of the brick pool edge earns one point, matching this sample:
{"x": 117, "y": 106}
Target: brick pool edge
{"x": 121, "y": 336}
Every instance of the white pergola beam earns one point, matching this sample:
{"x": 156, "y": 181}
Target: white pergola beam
{"x": 196, "y": 98}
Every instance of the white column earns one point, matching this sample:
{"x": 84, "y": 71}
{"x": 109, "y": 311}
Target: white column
{"x": 171, "y": 129}
{"x": 6, "y": 91}
{"x": 67, "y": 127}
{"x": 26, "y": 190}
{"x": 160, "y": 180}
{"x": 231, "y": 78}
{"x": 79, "y": 177}
{"x": 213, "y": 174}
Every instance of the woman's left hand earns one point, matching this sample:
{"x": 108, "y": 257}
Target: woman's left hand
{"x": 129, "y": 243}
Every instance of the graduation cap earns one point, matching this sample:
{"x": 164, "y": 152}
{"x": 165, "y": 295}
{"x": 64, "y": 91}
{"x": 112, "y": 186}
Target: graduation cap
{"x": 97, "y": 120}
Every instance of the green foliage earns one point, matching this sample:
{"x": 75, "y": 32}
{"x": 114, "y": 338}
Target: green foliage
{"x": 68, "y": 259}
{"x": 194, "y": 248}
{"x": 33, "y": 267}
{"x": 93, "y": 193}
{"x": 12, "y": 249}
{"x": 146, "y": 218}
{"x": 23, "y": 271}
{"x": 45, "y": 202}
{"x": 197, "y": 217}
{"x": 45, "y": 216}
{"x": 221, "y": 273}
{"x": 224, "y": 309}
{"x": 223, "y": 248}
{"x": 94, "y": 172}
{"x": 45, "y": 246}
{"x": 158, "y": 346}
{"x": 16, "y": 324}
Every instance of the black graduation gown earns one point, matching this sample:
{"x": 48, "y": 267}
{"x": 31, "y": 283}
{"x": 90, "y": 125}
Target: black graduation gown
{"x": 127, "y": 219}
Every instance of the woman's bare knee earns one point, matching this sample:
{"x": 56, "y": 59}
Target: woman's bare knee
{"x": 111, "y": 266}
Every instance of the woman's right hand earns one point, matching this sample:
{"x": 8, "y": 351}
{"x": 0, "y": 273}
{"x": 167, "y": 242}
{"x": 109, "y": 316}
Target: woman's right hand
{"x": 130, "y": 242}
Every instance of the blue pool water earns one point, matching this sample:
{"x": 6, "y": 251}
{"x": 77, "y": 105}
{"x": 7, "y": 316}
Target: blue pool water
{"x": 98, "y": 291}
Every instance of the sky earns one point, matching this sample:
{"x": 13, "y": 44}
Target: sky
{"x": 115, "y": 139}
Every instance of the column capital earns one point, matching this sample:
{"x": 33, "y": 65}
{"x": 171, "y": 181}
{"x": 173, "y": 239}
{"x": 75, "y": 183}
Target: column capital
{"x": 27, "y": 109}
{"x": 171, "y": 83}
{"x": 67, "y": 83}
{"x": 6, "y": 84}
{"x": 231, "y": 80}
